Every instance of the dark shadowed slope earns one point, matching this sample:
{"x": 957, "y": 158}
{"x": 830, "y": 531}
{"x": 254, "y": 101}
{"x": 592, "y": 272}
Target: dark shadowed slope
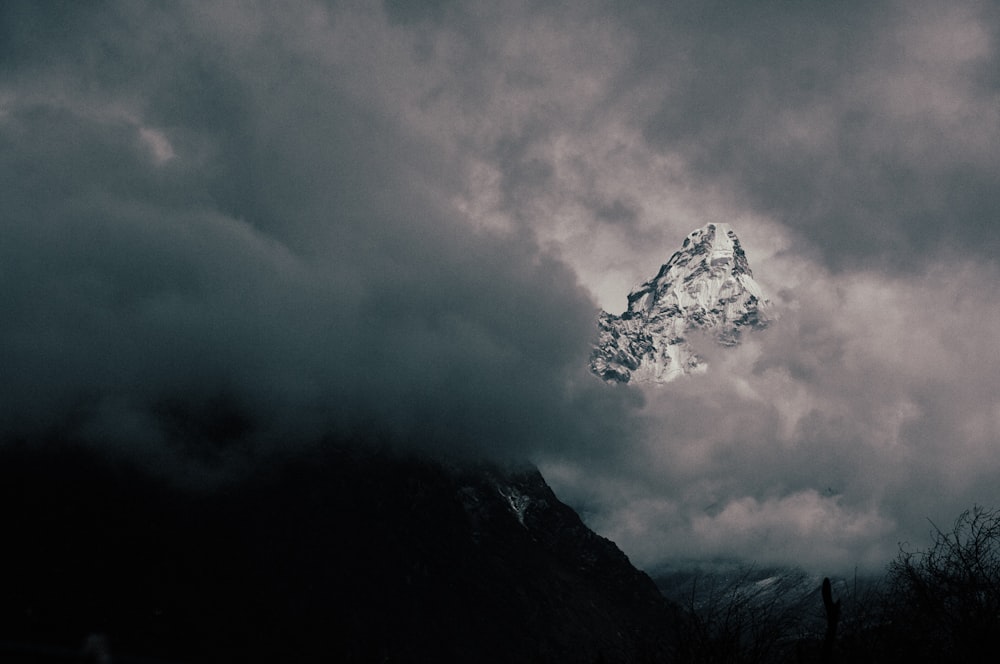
{"x": 343, "y": 556}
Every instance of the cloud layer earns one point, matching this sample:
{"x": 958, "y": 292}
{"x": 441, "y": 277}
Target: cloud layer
{"x": 226, "y": 229}
{"x": 868, "y": 408}
{"x": 233, "y": 227}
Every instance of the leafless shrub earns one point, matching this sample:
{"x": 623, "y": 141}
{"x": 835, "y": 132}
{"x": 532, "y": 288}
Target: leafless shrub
{"x": 943, "y": 602}
{"x": 747, "y": 618}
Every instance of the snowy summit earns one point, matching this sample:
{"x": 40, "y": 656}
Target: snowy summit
{"x": 707, "y": 285}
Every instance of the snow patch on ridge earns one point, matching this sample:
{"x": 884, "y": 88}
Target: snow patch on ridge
{"x": 518, "y": 501}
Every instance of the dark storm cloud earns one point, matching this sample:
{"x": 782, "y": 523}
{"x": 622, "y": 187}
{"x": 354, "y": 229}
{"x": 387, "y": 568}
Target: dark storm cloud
{"x": 870, "y": 127}
{"x": 854, "y": 149}
{"x": 209, "y": 242}
{"x": 239, "y": 226}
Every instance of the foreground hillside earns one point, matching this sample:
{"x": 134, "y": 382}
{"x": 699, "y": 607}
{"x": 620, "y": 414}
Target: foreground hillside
{"x": 340, "y": 556}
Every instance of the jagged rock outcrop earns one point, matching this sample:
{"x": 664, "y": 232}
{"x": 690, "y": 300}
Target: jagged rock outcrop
{"x": 706, "y": 286}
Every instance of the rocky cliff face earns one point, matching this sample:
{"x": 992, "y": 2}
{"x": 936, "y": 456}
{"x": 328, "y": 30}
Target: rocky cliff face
{"x": 705, "y": 286}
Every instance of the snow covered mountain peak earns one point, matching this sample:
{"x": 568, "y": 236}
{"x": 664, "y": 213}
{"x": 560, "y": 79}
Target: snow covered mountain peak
{"x": 707, "y": 285}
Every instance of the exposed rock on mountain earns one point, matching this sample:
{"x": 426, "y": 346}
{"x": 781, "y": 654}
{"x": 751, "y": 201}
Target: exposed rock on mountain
{"x": 707, "y": 286}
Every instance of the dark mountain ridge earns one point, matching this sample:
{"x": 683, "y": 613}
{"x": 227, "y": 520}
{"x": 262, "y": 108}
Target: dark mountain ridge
{"x": 343, "y": 554}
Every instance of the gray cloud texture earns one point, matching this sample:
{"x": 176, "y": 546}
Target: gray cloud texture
{"x": 221, "y": 223}
{"x": 230, "y": 227}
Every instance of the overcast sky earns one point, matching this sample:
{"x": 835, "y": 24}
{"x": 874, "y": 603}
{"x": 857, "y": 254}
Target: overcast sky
{"x": 229, "y": 227}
